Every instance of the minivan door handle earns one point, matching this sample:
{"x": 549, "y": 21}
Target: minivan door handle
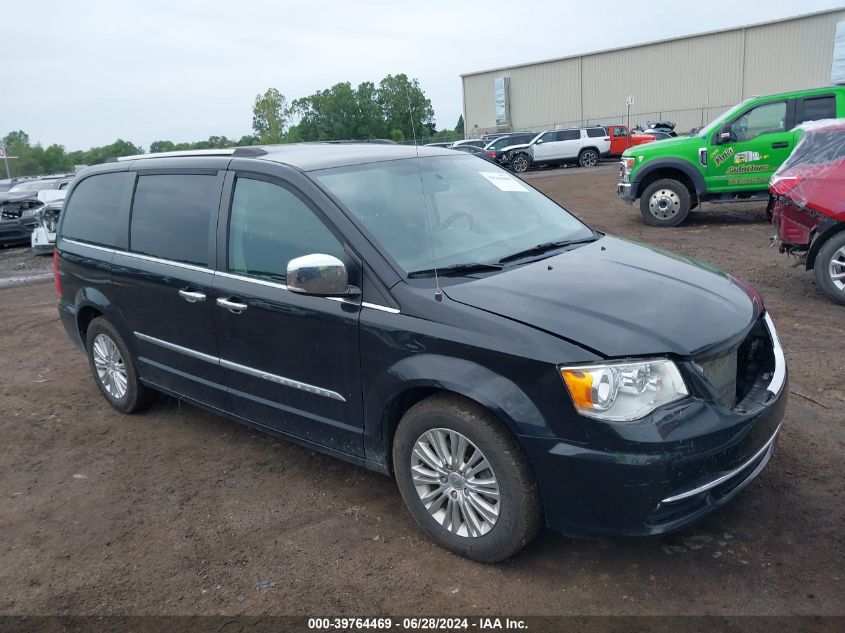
{"x": 191, "y": 296}
{"x": 780, "y": 144}
{"x": 234, "y": 307}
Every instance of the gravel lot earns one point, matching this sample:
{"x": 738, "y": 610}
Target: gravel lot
{"x": 177, "y": 511}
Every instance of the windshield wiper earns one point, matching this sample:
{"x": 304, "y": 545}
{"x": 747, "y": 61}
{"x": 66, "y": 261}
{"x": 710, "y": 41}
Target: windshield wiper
{"x": 456, "y": 269}
{"x": 544, "y": 248}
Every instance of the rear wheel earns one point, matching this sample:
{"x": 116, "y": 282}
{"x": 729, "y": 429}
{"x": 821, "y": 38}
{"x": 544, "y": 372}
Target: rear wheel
{"x": 588, "y": 158}
{"x": 520, "y": 163}
{"x": 665, "y": 203}
{"x": 830, "y": 268}
{"x": 113, "y": 368}
{"x": 465, "y": 480}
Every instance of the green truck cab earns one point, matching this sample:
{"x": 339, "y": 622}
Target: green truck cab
{"x": 729, "y": 160}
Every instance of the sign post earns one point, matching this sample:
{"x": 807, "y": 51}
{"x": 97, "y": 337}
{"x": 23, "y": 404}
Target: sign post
{"x": 5, "y": 160}
{"x": 629, "y": 101}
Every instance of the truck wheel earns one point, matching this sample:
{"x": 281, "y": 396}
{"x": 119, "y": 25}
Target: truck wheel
{"x": 113, "y": 368}
{"x": 520, "y": 163}
{"x": 830, "y": 268}
{"x": 665, "y": 203}
{"x": 588, "y": 158}
{"x": 465, "y": 480}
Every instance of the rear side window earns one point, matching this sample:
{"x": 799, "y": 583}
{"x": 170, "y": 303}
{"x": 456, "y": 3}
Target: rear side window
{"x": 818, "y": 108}
{"x": 620, "y": 131}
{"x": 171, "y": 215}
{"x": 92, "y": 213}
{"x": 270, "y": 226}
{"x": 595, "y": 132}
{"x": 568, "y": 135}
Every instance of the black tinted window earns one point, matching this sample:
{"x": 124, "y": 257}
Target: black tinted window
{"x": 269, "y": 227}
{"x": 91, "y": 214}
{"x": 818, "y": 108}
{"x": 568, "y": 135}
{"x": 171, "y": 215}
{"x": 595, "y": 132}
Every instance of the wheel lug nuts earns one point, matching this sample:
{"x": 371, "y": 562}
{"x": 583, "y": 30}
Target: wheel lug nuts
{"x": 443, "y": 480}
{"x": 454, "y": 494}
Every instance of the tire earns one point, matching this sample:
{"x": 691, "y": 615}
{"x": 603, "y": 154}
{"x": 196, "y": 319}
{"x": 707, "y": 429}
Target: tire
{"x": 513, "y": 518}
{"x": 665, "y": 203}
{"x": 830, "y": 261}
{"x": 521, "y": 163}
{"x": 588, "y": 158}
{"x": 112, "y": 367}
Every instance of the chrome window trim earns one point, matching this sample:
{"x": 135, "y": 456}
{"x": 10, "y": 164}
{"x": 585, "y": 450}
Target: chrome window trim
{"x": 165, "y": 262}
{"x": 244, "y": 369}
{"x": 219, "y": 273}
{"x": 779, "y": 375}
{"x": 254, "y": 280}
{"x": 380, "y": 308}
{"x": 104, "y": 249}
{"x": 725, "y": 477}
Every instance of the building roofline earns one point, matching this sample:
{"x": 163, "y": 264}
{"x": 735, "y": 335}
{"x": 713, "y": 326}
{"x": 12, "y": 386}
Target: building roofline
{"x": 653, "y": 42}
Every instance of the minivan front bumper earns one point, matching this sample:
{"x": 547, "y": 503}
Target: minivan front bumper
{"x": 661, "y": 473}
{"x": 589, "y": 492}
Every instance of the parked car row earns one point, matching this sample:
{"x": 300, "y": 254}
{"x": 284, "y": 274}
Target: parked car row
{"x": 22, "y": 205}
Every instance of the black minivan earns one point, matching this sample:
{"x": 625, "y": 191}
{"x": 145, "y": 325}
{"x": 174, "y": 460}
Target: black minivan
{"x": 425, "y": 313}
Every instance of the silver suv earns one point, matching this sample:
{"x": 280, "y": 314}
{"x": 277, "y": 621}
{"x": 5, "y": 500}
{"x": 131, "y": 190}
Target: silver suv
{"x": 584, "y": 146}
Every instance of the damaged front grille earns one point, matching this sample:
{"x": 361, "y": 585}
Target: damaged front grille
{"x": 721, "y": 373}
{"x": 740, "y": 376}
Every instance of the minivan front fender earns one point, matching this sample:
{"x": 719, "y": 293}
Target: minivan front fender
{"x": 428, "y": 373}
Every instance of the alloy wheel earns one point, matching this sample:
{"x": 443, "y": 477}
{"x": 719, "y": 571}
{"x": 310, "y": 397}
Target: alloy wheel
{"x": 455, "y": 483}
{"x": 836, "y": 269}
{"x": 589, "y": 159}
{"x": 110, "y": 367}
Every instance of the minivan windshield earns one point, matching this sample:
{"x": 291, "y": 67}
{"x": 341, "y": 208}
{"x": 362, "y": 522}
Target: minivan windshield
{"x": 474, "y": 212}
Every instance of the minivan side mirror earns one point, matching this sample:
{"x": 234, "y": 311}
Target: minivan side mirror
{"x": 318, "y": 274}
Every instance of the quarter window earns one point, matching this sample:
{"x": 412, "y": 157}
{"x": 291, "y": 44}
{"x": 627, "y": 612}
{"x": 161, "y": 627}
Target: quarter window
{"x": 818, "y": 108}
{"x": 91, "y": 214}
{"x": 171, "y": 215}
{"x": 620, "y": 131}
{"x": 768, "y": 118}
{"x": 270, "y": 226}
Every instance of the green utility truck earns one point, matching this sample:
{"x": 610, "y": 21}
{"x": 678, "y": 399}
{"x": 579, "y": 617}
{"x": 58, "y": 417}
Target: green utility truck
{"x": 730, "y": 160}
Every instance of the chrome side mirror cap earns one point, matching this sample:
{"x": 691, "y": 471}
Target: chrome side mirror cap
{"x": 317, "y": 274}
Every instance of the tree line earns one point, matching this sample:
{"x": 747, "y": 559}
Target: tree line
{"x": 396, "y": 108}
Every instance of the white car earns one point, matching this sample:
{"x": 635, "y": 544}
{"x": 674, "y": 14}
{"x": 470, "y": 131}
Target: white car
{"x": 476, "y": 142}
{"x": 584, "y": 146}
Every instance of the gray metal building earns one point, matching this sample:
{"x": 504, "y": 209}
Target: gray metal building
{"x": 688, "y": 80}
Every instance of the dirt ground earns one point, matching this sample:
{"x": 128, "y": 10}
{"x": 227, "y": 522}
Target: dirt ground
{"x": 177, "y": 511}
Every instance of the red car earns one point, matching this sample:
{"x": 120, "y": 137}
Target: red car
{"x": 621, "y": 139}
{"x": 807, "y": 204}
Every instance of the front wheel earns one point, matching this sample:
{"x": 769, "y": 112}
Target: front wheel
{"x": 588, "y": 158}
{"x": 830, "y": 268}
{"x": 665, "y": 203}
{"x": 520, "y": 163}
{"x": 465, "y": 480}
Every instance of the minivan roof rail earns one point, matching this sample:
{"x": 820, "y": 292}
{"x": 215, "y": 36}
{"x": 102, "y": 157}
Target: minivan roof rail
{"x": 232, "y": 151}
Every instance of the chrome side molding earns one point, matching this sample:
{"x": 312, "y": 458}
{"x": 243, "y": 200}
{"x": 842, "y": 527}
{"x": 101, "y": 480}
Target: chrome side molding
{"x": 244, "y": 369}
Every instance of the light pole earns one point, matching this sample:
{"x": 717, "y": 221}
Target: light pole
{"x": 5, "y": 160}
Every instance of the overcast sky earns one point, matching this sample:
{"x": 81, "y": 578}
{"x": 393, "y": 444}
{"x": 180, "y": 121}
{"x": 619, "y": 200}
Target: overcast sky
{"x": 83, "y": 73}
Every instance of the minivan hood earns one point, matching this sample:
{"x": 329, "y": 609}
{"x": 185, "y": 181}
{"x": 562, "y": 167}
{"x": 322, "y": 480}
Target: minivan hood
{"x": 619, "y": 299}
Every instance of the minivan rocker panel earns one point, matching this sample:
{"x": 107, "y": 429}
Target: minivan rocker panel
{"x": 589, "y": 384}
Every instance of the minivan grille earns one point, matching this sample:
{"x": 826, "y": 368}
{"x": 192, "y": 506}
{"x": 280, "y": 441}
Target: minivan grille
{"x": 721, "y": 373}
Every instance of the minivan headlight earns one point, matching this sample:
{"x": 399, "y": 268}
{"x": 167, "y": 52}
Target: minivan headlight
{"x": 622, "y": 392}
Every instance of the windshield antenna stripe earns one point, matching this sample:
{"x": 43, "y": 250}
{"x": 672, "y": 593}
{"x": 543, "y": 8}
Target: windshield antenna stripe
{"x": 438, "y": 295}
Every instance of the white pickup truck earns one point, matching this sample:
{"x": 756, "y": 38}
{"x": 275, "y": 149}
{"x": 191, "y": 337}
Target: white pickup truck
{"x": 584, "y": 146}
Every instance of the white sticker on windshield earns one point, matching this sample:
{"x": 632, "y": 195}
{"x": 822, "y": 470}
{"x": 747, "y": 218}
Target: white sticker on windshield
{"x": 503, "y": 181}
